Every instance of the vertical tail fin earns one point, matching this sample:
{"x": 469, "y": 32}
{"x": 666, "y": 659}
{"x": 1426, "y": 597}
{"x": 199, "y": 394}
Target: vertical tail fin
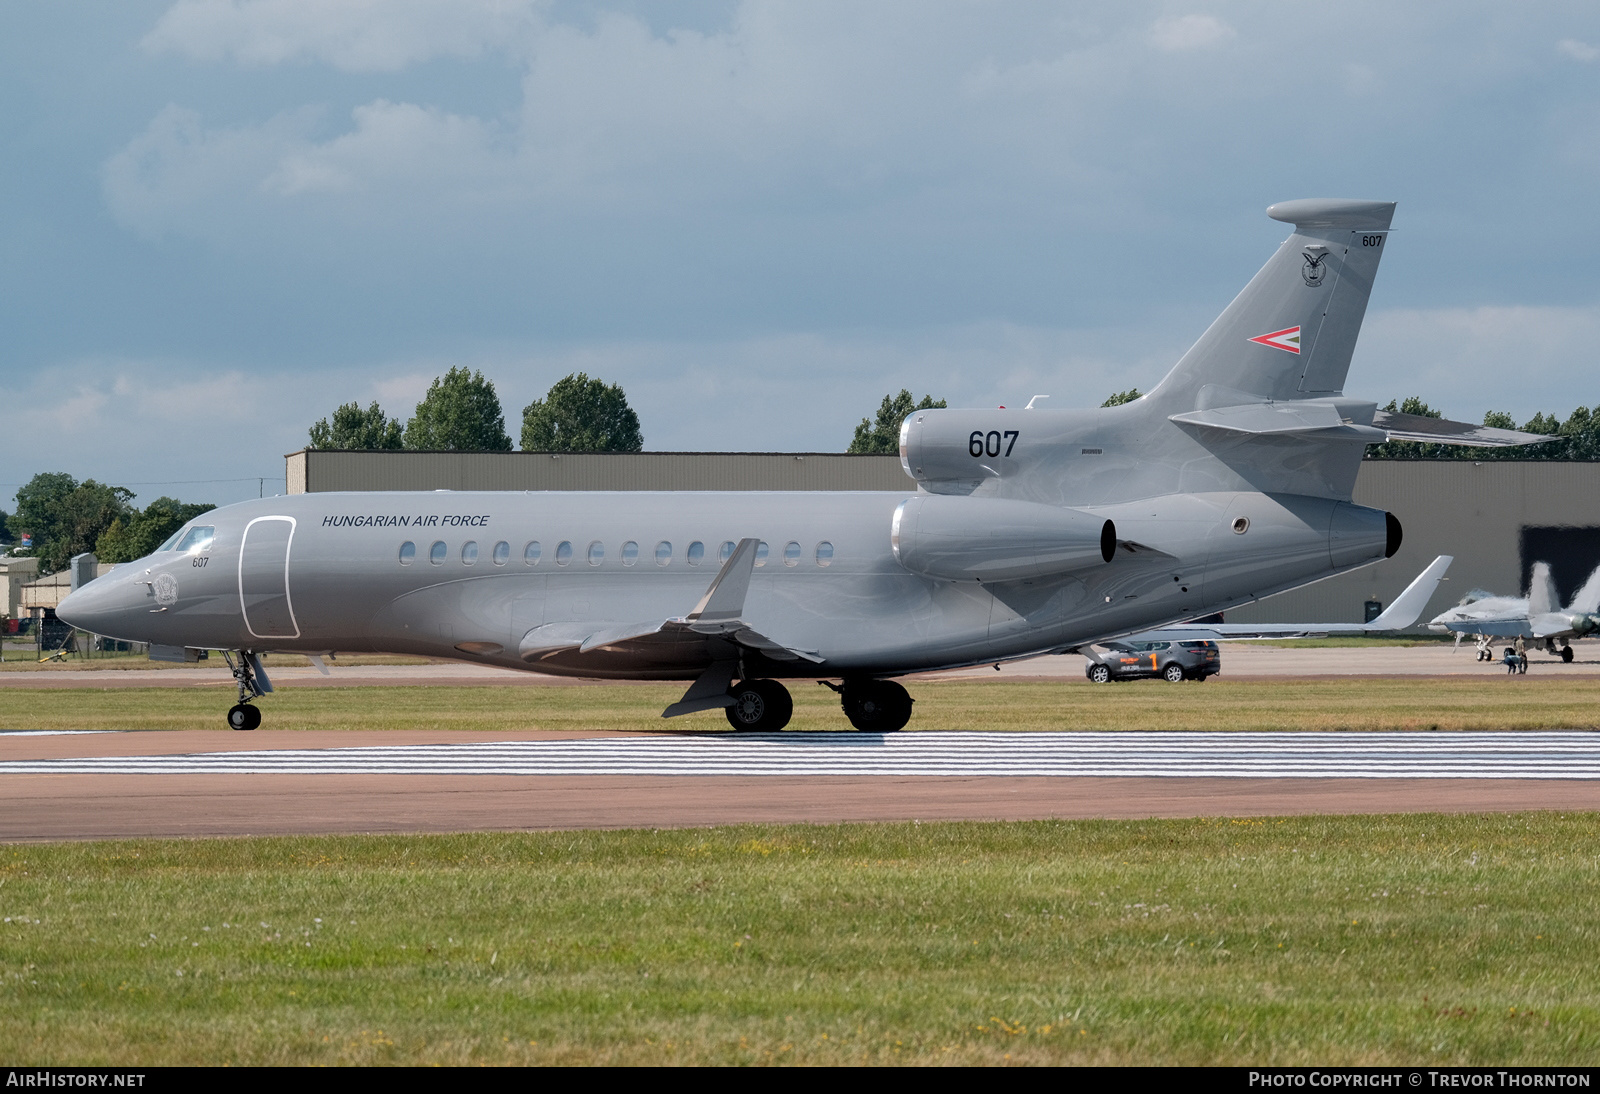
{"x": 1290, "y": 333}
{"x": 1587, "y": 599}
{"x": 1542, "y": 598}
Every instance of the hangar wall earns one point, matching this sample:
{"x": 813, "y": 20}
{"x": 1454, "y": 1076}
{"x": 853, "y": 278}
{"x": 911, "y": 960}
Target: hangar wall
{"x": 313, "y": 471}
{"x": 1497, "y": 518}
{"x": 1484, "y": 514}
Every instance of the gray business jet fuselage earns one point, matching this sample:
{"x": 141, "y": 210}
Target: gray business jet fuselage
{"x": 1024, "y": 531}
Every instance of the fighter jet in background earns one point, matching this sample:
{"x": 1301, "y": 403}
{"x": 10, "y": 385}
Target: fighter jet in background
{"x": 1538, "y": 616}
{"x": 1018, "y": 532}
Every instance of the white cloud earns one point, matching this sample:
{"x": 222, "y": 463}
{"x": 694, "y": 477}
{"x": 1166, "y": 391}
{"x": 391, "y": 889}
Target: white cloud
{"x": 1578, "y": 51}
{"x": 399, "y": 143}
{"x": 1465, "y": 361}
{"x": 351, "y": 35}
{"x": 178, "y": 172}
{"x": 1184, "y": 33}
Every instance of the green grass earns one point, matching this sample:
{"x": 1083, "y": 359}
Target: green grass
{"x": 1490, "y": 702}
{"x": 1416, "y": 939}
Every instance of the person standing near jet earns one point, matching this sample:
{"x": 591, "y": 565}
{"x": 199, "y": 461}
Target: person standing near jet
{"x": 1522, "y": 655}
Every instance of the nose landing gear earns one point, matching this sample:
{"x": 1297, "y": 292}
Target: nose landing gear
{"x": 253, "y": 683}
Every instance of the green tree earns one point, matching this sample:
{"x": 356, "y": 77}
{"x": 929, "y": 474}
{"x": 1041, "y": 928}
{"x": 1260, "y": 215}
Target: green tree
{"x": 138, "y": 533}
{"x": 881, "y": 436}
{"x": 1580, "y": 434}
{"x": 357, "y": 430}
{"x": 460, "y": 413}
{"x": 65, "y": 516}
{"x": 1121, "y": 397}
{"x": 578, "y": 414}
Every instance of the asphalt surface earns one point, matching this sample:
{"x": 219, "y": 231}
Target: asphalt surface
{"x": 216, "y": 783}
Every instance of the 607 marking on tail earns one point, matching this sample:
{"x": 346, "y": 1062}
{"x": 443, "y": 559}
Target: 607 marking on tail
{"x": 988, "y": 444}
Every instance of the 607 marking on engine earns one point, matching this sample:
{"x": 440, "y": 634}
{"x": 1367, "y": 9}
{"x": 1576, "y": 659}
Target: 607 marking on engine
{"x": 989, "y": 444}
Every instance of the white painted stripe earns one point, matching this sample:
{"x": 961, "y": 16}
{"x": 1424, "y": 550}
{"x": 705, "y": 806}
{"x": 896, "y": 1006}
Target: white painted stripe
{"x": 54, "y": 732}
{"x": 1553, "y": 755}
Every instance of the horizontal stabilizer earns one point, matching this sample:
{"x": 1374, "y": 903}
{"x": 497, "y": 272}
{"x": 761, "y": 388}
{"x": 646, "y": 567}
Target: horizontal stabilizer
{"x": 1416, "y": 427}
{"x": 1303, "y": 418}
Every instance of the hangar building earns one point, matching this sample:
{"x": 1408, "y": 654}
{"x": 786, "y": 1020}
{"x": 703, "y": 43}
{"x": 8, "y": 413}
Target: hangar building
{"x": 1497, "y": 517}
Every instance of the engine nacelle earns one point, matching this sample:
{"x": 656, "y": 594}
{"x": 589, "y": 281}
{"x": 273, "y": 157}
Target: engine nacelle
{"x": 997, "y": 539}
{"x": 953, "y": 451}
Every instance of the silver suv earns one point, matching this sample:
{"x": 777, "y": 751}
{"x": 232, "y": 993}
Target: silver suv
{"x": 1172, "y": 661}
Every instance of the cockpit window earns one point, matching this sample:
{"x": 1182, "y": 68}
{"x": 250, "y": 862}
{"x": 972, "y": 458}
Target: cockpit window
{"x": 172, "y": 541}
{"x": 197, "y": 539}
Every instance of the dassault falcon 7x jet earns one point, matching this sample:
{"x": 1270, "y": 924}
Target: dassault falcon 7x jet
{"x": 1020, "y": 532}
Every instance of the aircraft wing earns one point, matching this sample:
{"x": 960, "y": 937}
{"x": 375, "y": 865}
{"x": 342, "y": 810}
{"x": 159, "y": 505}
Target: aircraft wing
{"x": 711, "y": 639}
{"x": 1499, "y": 628}
{"x": 664, "y": 633}
{"x": 1399, "y": 615}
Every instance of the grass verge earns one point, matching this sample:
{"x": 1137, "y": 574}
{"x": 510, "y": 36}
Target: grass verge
{"x": 1422, "y": 703}
{"x": 1353, "y": 940}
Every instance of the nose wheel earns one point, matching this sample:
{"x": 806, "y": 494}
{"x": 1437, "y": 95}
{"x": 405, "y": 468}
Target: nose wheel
{"x": 252, "y": 681}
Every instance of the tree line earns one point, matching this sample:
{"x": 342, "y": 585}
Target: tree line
{"x": 461, "y": 413}
{"x": 61, "y": 517}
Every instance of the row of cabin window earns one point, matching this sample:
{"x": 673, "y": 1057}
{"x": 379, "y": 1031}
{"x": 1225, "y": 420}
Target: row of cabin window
{"x": 501, "y": 554}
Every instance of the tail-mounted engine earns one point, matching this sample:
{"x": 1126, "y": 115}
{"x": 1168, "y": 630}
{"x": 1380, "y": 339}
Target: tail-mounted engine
{"x": 997, "y": 539}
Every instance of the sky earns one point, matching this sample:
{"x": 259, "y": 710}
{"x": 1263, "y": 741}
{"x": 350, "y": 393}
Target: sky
{"x": 221, "y": 219}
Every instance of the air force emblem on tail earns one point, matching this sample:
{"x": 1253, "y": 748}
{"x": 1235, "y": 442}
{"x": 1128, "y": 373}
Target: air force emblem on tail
{"x": 1315, "y": 269}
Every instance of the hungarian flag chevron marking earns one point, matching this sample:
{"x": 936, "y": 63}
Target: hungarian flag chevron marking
{"x": 1288, "y": 338}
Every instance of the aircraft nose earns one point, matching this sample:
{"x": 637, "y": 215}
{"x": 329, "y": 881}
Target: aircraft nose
{"x": 103, "y": 606}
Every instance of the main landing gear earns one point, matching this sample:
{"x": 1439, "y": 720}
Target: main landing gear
{"x": 252, "y": 681}
{"x": 759, "y": 706}
{"x": 873, "y": 706}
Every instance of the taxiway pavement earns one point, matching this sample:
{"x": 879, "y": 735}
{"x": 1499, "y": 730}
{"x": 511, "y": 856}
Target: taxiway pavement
{"x": 216, "y": 783}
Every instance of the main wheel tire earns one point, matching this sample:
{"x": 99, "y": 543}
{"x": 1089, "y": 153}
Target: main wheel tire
{"x": 1566, "y": 654}
{"x": 1100, "y": 674}
{"x": 876, "y": 706}
{"x": 759, "y": 706}
{"x": 1173, "y": 673}
{"x": 243, "y": 716}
